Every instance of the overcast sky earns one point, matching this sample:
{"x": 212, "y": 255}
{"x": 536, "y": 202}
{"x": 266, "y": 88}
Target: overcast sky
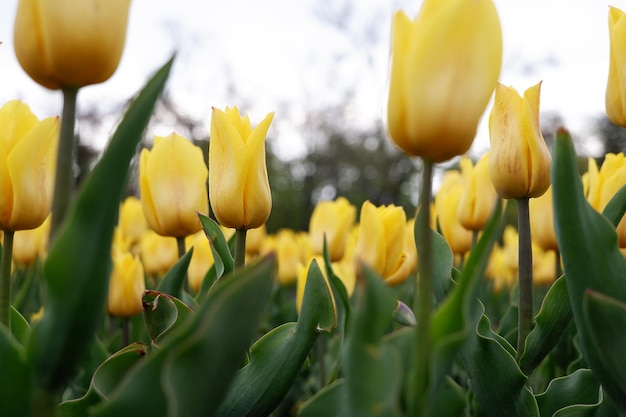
{"x": 294, "y": 57}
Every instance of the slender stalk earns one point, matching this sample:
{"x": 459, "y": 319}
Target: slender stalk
{"x": 240, "y": 247}
{"x": 64, "y": 178}
{"x": 5, "y": 278}
{"x": 417, "y": 393}
{"x": 525, "y": 278}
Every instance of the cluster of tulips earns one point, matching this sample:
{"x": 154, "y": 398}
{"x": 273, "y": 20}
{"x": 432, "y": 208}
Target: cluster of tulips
{"x": 368, "y": 313}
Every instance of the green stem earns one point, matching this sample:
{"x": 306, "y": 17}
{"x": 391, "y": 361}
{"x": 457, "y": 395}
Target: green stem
{"x": 5, "y": 278}
{"x": 417, "y": 385}
{"x": 64, "y": 179}
{"x": 525, "y": 278}
{"x": 240, "y": 247}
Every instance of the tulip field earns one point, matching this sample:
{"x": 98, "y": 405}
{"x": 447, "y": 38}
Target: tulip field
{"x": 503, "y": 294}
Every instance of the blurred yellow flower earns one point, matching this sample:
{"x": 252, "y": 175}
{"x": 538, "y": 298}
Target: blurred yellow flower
{"x": 67, "y": 43}
{"x": 201, "y": 259}
{"x": 542, "y": 221}
{"x": 131, "y": 223}
{"x": 28, "y": 151}
{"x": 331, "y": 220}
{"x": 239, "y": 189}
{"x": 444, "y": 67}
{"x": 254, "y": 240}
{"x": 478, "y": 197}
{"x": 519, "y": 164}
{"x": 288, "y": 255}
{"x": 158, "y": 253}
{"x": 31, "y": 244}
{"x": 381, "y": 242}
{"x": 126, "y": 285}
{"x": 447, "y": 202}
{"x": 172, "y": 183}
{"x": 615, "y": 98}
{"x": 499, "y": 270}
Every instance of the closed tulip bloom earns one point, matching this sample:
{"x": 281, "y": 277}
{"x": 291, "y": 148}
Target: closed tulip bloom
{"x": 158, "y": 253}
{"x": 31, "y": 244}
{"x": 444, "y": 67}
{"x": 381, "y": 242}
{"x": 239, "y": 189}
{"x": 446, "y": 208}
{"x": 68, "y": 43}
{"x": 615, "y": 98}
{"x": 201, "y": 259}
{"x": 331, "y": 220}
{"x": 132, "y": 222}
{"x": 126, "y": 286}
{"x": 519, "y": 164}
{"x": 28, "y": 150}
{"x": 542, "y": 221}
{"x": 172, "y": 183}
{"x": 478, "y": 197}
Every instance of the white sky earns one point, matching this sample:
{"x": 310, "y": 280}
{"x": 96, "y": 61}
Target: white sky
{"x": 288, "y": 56}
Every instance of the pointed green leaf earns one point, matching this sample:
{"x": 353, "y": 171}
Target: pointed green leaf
{"x": 19, "y": 326}
{"x": 578, "y": 388}
{"x": 174, "y": 280}
{"x": 162, "y": 313}
{"x": 591, "y": 257}
{"x": 277, "y": 358}
{"x": 78, "y": 265}
{"x": 339, "y": 290}
{"x": 222, "y": 255}
{"x": 614, "y": 210}
{"x": 16, "y": 377}
{"x": 329, "y": 401}
{"x": 442, "y": 265}
{"x": 550, "y": 324}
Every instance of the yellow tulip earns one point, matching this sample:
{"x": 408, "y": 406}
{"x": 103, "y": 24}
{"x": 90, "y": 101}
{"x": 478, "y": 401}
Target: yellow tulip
{"x": 519, "y": 164}
{"x": 331, "y": 220}
{"x": 239, "y": 189}
{"x": 28, "y": 150}
{"x": 172, "y": 183}
{"x": 126, "y": 286}
{"x": 499, "y": 270}
{"x": 68, "y": 43}
{"x": 446, "y": 208}
{"x": 302, "y": 272}
{"x": 158, "y": 253}
{"x": 478, "y": 197}
{"x": 381, "y": 242}
{"x": 288, "y": 256}
{"x": 132, "y": 222}
{"x": 542, "y": 221}
{"x": 31, "y": 244}
{"x": 444, "y": 67}
{"x": 201, "y": 259}
{"x": 615, "y": 98}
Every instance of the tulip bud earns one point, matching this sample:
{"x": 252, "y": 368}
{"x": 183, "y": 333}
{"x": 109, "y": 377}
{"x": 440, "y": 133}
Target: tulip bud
{"x": 381, "y": 242}
{"x": 172, "y": 183}
{"x": 31, "y": 244}
{"x": 331, "y": 220}
{"x": 519, "y": 164}
{"x": 132, "y": 222}
{"x": 158, "y": 253}
{"x": 201, "y": 259}
{"x": 444, "y": 67}
{"x": 126, "y": 286}
{"x": 446, "y": 208}
{"x": 239, "y": 189}
{"x": 615, "y": 99}
{"x": 27, "y": 159}
{"x": 478, "y": 197}
{"x": 68, "y": 43}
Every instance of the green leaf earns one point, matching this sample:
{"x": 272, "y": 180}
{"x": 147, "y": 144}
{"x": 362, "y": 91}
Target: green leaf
{"x": 222, "y": 256}
{"x": 174, "y": 280}
{"x": 277, "y": 358}
{"x": 16, "y": 377}
{"x": 192, "y": 371}
{"x": 162, "y": 313}
{"x": 19, "y": 326}
{"x": 591, "y": 257}
{"x": 372, "y": 367}
{"x": 614, "y": 210}
{"x": 442, "y": 265}
{"x": 328, "y": 401}
{"x": 550, "y": 324}
{"x": 78, "y": 265}
{"x": 339, "y": 290}
{"x": 105, "y": 379}
{"x": 578, "y": 388}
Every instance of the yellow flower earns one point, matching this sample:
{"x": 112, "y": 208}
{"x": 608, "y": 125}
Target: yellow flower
{"x": 126, "y": 286}
{"x": 28, "y": 150}
{"x": 542, "y": 221}
{"x": 332, "y": 220}
{"x": 254, "y": 240}
{"x": 68, "y": 43}
{"x": 31, "y": 244}
{"x": 238, "y": 185}
{"x": 544, "y": 267}
{"x": 288, "y": 255}
{"x": 172, "y": 183}
{"x": 519, "y": 164}
{"x": 478, "y": 197}
{"x": 499, "y": 270}
{"x": 381, "y": 242}
{"x": 446, "y": 208}
{"x": 158, "y": 253}
{"x": 201, "y": 260}
{"x": 615, "y": 98}
{"x": 132, "y": 222}
{"x": 444, "y": 67}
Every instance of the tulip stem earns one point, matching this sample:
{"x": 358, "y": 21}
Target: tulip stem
{"x": 240, "y": 247}
{"x": 525, "y": 275}
{"x": 64, "y": 178}
{"x": 417, "y": 385}
{"x": 5, "y": 278}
